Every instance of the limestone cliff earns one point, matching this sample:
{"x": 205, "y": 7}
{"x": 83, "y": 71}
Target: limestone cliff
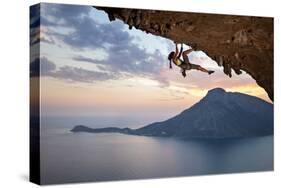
{"x": 234, "y": 42}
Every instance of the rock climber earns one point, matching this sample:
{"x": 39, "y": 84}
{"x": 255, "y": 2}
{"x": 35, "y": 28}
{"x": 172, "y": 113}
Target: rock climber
{"x": 184, "y": 64}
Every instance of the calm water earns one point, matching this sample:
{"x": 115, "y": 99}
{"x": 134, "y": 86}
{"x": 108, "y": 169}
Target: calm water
{"x": 68, "y": 157}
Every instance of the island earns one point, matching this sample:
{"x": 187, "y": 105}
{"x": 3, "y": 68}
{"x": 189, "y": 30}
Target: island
{"x": 219, "y": 114}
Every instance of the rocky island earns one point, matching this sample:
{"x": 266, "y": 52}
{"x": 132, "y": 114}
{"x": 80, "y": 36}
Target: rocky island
{"x": 219, "y": 114}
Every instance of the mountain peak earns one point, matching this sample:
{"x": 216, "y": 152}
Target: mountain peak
{"x": 216, "y": 92}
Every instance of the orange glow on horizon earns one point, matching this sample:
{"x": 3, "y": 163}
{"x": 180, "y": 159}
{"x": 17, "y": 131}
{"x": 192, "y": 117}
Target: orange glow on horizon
{"x": 139, "y": 95}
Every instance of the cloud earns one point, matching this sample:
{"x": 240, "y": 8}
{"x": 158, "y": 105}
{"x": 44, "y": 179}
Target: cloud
{"x": 62, "y": 14}
{"x": 86, "y": 33}
{"x": 81, "y": 75}
{"x": 41, "y": 65}
{"x": 34, "y": 67}
{"x": 85, "y": 59}
{"x": 75, "y": 74}
{"x": 135, "y": 62}
{"x": 34, "y": 14}
{"x": 46, "y": 66}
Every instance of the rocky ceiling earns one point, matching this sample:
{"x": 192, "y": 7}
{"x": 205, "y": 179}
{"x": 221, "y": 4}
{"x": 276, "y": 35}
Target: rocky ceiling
{"x": 234, "y": 42}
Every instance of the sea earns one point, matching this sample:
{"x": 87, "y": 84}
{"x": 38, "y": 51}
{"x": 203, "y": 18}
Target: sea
{"x": 68, "y": 157}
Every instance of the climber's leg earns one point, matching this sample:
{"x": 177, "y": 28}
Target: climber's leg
{"x": 188, "y": 66}
{"x": 198, "y": 67}
{"x": 186, "y": 52}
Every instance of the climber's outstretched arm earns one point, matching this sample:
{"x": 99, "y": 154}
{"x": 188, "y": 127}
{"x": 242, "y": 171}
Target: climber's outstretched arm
{"x": 177, "y": 52}
{"x": 180, "y": 51}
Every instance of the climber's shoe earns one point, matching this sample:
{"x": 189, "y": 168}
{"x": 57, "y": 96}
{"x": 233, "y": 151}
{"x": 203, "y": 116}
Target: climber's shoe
{"x": 210, "y": 72}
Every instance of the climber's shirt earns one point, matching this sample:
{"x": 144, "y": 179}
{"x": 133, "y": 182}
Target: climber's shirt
{"x": 178, "y": 62}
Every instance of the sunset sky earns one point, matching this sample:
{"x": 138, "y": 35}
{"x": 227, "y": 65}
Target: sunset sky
{"x": 91, "y": 67}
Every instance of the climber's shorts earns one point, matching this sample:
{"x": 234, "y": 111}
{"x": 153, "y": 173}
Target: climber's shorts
{"x": 187, "y": 65}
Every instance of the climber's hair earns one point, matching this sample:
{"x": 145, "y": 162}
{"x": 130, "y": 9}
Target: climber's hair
{"x": 171, "y": 55}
